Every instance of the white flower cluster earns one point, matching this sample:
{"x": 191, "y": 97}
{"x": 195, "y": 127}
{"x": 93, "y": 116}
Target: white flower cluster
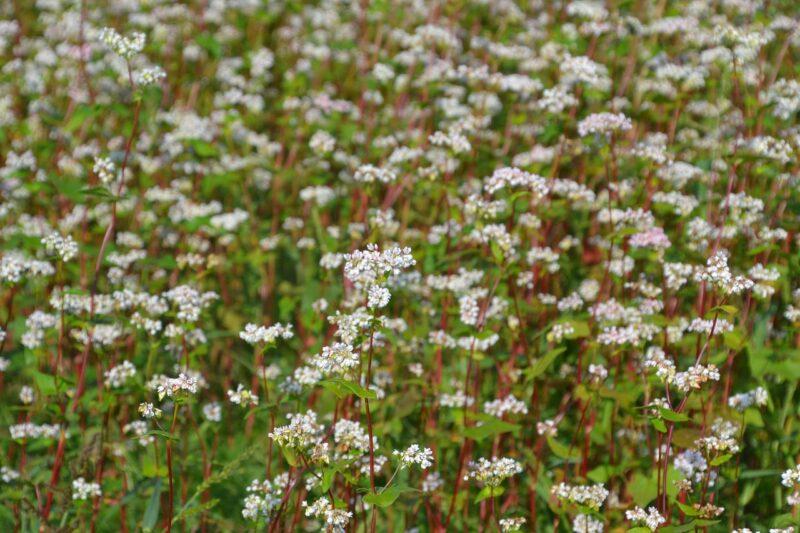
{"x": 64, "y": 247}
{"x": 139, "y": 429}
{"x": 349, "y": 436}
{"x": 148, "y": 410}
{"x": 589, "y": 495}
{"x": 263, "y": 497}
{"x": 415, "y": 455}
{"x": 83, "y": 490}
{"x": 335, "y": 519}
{"x": 651, "y": 518}
{"x": 457, "y": 400}
{"x": 27, "y": 430}
{"x": 8, "y": 475}
{"x": 14, "y": 267}
{"x": 378, "y": 297}
{"x": 722, "y": 438}
{"x": 254, "y": 334}
{"x": 26, "y": 395}
{"x": 743, "y": 400}
{"x": 338, "y": 359}
{"x": 584, "y": 523}
{"x": 301, "y": 432}
{"x": 655, "y": 357}
{"x": 515, "y": 178}
{"x": 183, "y": 384}
{"x": 492, "y": 472}
{"x": 559, "y": 331}
{"x": 695, "y": 376}
{"x": 126, "y": 47}
{"x": 372, "y": 174}
{"x": 366, "y": 268}
{"x": 118, "y": 375}
{"x": 322, "y": 142}
{"x": 507, "y": 525}
{"x": 785, "y": 96}
{"x": 791, "y": 477}
{"x": 149, "y": 76}
{"x": 693, "y": 466}
{"x": 547, "y": 428}
{"x": 189, "y": 301}
{"x": 212, "y": 411}
{"x": 717, "y": 273}
{"x": 501, "y": 406}
{"x": 242, "y": 396}
{"x": 604, "y": 124}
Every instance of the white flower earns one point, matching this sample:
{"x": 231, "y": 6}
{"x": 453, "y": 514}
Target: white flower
{"x": 335, "y": 519}
{"x": 64, "y": 247}
{"x": 119, "y": 375}
{"x": 26, "y": 395}
{"x": 378, "y": 297}
{"x": 174, "y": 386}
{"x": 212, "y": 412}
{"x": 604, "y": 124}
{"x": 651, "y": 518}
{"x": 83, "y": 490}
{"x": 493, "y": 472}
{"x": 127, "y": 47}
{"x": 742, "y": 401}
{"x": 149, "y": 76}
{"x": 791, "y": 477}
{"x": 590, "y": 495}
{"x": 415, "y": 455}
{"x": 242, "y": 396}
{"x": 303, "y": 431}
{"x": 8, "y": 475}
{"x": 148, "y": 410}
{"x": 254, "y": 334}
{"x": 508, "y": 525}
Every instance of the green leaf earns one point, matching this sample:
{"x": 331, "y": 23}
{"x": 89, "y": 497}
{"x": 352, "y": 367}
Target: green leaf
{"x": 734, "y": 340}
{"x": 561, "y": 450}
{"x": 45, "y": 383}
{"x": 203, "y": 149}
{"x": 602, "y": 473}
{"x": 100, "y": 192}
{"x": 161, "y": 433}
{"x": 81, "y": 114}
{"x": 489, "y": 492}
{"x": 387, "y": 497}
{"x": 543, "y": 363}
{"x": 488, "y": 428}
{"x": 153, "y": 505}
{"x": 672, "y": 416}
{"x": 722, "y": 459}
{"x": 751, "y": 474}
{"x": 688, "y": 510}
{"x": 701, "y": 522}
{"x": 659, "y": 425}
{"x": 643, "y": 488}
{"x": 581, "y": 329}
{"x": 342, "y": 388}
{"x": 727, "y": 309}
{"x": 327, "y": 479}
{"x": 497, "y": 252}
{"x": 210, "y": 44}
{"x": 290, "y": 455}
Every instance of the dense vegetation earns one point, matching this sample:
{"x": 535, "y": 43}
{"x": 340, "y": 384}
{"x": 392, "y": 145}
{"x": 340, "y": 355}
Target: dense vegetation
{"x": 399, "y": 265}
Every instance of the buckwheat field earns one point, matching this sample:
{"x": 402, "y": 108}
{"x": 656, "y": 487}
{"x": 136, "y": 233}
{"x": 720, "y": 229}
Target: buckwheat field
{"x": 400, "y": 266}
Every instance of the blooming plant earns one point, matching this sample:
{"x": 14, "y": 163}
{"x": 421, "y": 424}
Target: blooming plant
{"x": 400, "y": 265}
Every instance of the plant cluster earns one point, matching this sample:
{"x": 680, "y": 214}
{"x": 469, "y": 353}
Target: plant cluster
{"x": 400, "y": 265}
